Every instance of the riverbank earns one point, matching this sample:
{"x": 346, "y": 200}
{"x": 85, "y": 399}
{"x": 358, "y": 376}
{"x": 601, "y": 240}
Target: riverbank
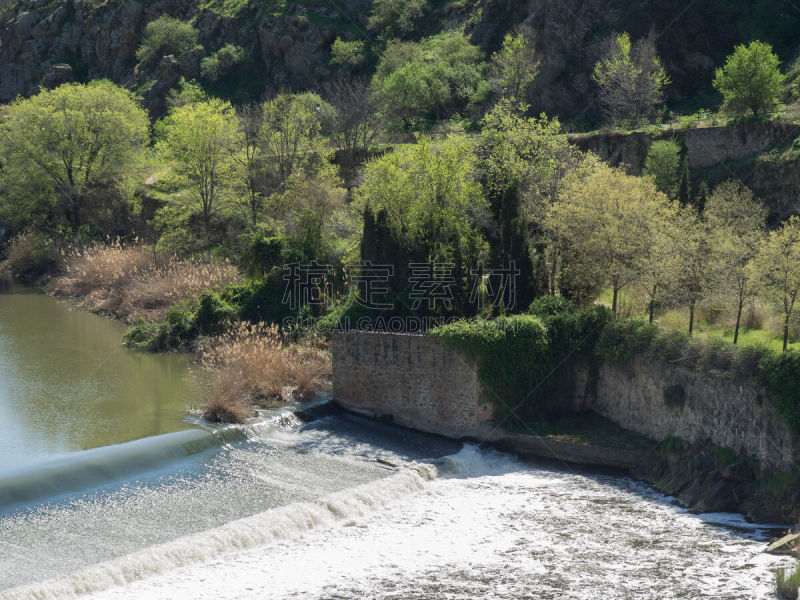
{"x": 174, "y": 304}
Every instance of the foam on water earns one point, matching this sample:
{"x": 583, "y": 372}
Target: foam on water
{"x": 475, "y": 523}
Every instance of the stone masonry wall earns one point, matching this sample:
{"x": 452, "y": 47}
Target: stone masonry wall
{"x": 412, "y": 378}
{"x": 662, "y": 400}
{"x": 422, "y": 384}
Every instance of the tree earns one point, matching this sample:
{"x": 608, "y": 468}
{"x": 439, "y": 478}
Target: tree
{"x": 684, "y": 184}
{"x": 396, "y": 18}
{"x": 221, "y": 63}
{"x": 775, "y": 268}
{"x": 736, "y": 223}
{"x": 630, "y": 78}
{"x": 514, "y": 66}
{"x": 750, "y": 79}
{"x": 199, "y": 141}
{"x": 290, "y": 139}
{"x": 73, "y": 146}
{"x": 352, "y": 120}
{"x": 249, "y": 159}
{"x": 604, "y": 217}
{"x": 314, "y": 213}
{"x": 691, "y": 268}
{"x": 662, "y": 163}
{"x": 524, "y": 161}
{"x": 430, "y": 194}
{"x": 443, "y": 75}
{"x": 166, "y": 35}
{"x": 654, "y": 266}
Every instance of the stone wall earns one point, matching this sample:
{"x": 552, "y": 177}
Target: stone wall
{"x": 420, "y": 383}
{"x": 660, "y": 400}
{"x": 413, "y": 379}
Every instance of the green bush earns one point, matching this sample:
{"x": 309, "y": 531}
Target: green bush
{"x": 220, "y": 64}
{"x": 30, "y": 255}
{"x": 546, "y": 306}
{"x": 166, "y": 35}
{"x": 265, "y": 254}
{"x": 512, "y": 356}
{"x": 622, "y": 340}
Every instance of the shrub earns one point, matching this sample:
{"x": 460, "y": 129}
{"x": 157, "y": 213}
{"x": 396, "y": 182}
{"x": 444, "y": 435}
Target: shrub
{"x": 222, "y": 62}
{"x": 30, "y": 255}
{"x": 624, "y": 339}
{"x": 779, "y": 372}
{"x": 347, "y": 55}
{"x": 166, "y": 35}
{"x": 265, "y": 254}
{"x": 546, "y": 306}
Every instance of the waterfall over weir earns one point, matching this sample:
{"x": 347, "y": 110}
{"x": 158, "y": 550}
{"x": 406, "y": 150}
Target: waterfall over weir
{"x": 348, "y": 508}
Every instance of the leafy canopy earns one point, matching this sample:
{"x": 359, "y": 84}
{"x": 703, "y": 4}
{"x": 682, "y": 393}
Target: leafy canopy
{"x": 69, "y": 146}
{"x": 199, "y": 141}
{"x": 514, "y": 66}
{"x": 750, "y": 79}
{"x": 663, "y": 164}
{"x": 430, "y": 193}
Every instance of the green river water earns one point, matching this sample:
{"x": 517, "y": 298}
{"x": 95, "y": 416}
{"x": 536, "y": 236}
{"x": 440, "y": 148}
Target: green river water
{"x": 67, "y": 383}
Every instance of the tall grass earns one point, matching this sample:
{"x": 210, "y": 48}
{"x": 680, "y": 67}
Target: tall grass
{"x": 130, "y": 281}
{"x": 254, "y": 365}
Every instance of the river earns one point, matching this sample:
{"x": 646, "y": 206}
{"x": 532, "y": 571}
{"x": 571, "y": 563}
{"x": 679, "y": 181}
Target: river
{"x": 152, "y": 504}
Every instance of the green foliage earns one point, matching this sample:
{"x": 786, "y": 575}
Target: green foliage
{"x": 199, "y": 141}
{"x": 69, "y": 155}
{"x": 524, "y": 361}
{"x": 663, "y": 165}
{"x": 430, "y": 195}
{"x": 443, "y": 75}
{"x": 166, "y": 35}
{"x": 548, "y": 306}
{"x": 220, "y": 64}
{"x": 780, "y": 374}
{"x": 750, "y": 79}
{"x": 263, "y": 254}
{"x": 348, "y": 56}
{"x": 396, "y": 18}
{"x": 512, "y": 358}
{"x": 514, "y": 66}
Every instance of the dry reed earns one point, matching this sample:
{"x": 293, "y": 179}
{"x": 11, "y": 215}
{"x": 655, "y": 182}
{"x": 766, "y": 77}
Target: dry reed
{"x": 130, "y": 281}
{"x": 256, "y": 365}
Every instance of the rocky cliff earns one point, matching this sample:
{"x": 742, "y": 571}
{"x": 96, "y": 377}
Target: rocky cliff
{"x": 289, "y": 40}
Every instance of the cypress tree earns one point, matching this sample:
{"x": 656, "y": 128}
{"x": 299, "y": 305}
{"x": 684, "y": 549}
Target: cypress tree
{"x": 684, "y": 187}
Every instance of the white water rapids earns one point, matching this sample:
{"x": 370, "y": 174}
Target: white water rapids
{"x": 349, "y": 509}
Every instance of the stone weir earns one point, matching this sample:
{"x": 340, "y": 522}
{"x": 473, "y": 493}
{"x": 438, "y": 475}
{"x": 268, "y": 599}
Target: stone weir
{"x": 417, "y": 381}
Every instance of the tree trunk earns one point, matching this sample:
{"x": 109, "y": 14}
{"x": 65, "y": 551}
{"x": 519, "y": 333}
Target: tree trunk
{"x": 785, "y": 332}
{"x": 652, "y": 308}
{"x": 738, "y": 320}
{"x": 614, "y": 301}
{"x": 691, "y": 318}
